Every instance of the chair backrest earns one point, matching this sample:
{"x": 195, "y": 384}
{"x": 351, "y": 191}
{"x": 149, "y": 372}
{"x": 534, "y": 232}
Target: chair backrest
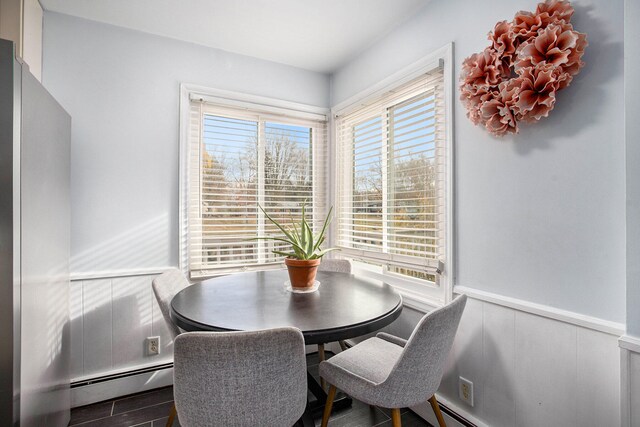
{"x": 418, "y": 371}
{"x": 240, "y": 378}
{"x": 165, "y": 287}
{"x": 337, "y": 265}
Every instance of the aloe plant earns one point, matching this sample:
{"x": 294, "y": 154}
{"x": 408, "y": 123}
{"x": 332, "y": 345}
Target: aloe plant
{"x": 304, "y": 244}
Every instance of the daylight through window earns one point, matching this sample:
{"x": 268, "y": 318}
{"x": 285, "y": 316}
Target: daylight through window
{"x": 391, "y": 179}
{"x": 239, "y": 159}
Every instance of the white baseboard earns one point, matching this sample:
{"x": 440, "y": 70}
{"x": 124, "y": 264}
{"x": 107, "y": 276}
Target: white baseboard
{"x": 424, "y": 411}
{"x": 111, "y": 389}
{"x": 106, "y": 390}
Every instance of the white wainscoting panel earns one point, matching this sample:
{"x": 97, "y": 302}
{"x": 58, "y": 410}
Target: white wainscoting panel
{"x": 110, "y": 319}
{"x": 132, "y": 319}
{"x": 530, "y": 369}
{"x": 77, "y": 351}
{"x": 630, "y": 380}
{"x": 546, "y": 373}
{"x": 499, "y": 358}
{"x": 598, "y": 349}
{"x": 468, "y": 351}
{"x": 97, "y": 326}
{"x": 634, "y": 388}
{"x": 159, "y": 328}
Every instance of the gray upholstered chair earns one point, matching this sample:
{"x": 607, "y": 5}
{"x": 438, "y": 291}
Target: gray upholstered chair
{"x": 165, "y": 287}
{"x": 240, "y": 379}
{"x": 338, "y": 266}
{"x": 390, "y": 372}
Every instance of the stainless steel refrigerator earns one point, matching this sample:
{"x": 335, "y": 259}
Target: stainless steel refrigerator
{"x": 34, "y": 249}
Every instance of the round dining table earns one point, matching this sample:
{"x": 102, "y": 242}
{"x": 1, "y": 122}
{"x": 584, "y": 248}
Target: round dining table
{"x": 344, "y": 306}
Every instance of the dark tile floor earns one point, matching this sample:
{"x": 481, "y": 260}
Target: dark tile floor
{"x": 151, "y": 409}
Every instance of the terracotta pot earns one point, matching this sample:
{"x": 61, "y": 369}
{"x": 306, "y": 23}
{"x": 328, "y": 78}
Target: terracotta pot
{"x": 302, "y": 273}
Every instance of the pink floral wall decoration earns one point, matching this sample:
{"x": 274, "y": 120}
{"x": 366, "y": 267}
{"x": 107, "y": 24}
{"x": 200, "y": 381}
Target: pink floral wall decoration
{"x": 516, "y": 78}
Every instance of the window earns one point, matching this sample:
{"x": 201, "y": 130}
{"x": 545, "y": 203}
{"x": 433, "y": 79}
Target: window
{"x": 241, "y": 157}
{"x": 392, "y": 177}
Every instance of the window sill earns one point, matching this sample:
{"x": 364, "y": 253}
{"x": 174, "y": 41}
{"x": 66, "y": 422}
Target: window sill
{"x": 418, "y": 296}
{"x": 418, "y": 302}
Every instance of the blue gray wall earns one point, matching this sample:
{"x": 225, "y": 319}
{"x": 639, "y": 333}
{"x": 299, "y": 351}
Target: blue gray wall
{"x": 121, "y": 88}
{"x": 632, "y": 129}
{"x": 540, "y": 216}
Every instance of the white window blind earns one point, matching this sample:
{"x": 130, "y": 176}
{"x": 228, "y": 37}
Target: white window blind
{"x": 391, "y": 185}
{"x": 237, "y": 159}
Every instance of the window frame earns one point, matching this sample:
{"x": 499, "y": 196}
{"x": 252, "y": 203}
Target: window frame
{"x": 271, "y": 108}
{"x": 416, "y": 293}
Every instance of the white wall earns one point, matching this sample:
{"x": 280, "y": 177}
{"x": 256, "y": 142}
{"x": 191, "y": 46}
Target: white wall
{"x": 110, "y": 319}
{"x": 525, "y": 365}
{"x": 526, "y": 369}
{"x": 526, "y": 362}
{"x": 540, "y": 216}
{"x": 121, "y": 87}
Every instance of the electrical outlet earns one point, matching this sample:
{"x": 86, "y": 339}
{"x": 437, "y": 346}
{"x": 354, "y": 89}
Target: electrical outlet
{"x": 465, "y": 391}
{"x": 153, "y": 346}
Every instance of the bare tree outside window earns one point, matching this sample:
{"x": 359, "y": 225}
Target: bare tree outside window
{"x": 394, "y": 204}
{"x": 233, "y": 180}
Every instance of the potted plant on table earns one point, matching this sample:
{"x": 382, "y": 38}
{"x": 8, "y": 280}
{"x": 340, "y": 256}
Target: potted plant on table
{"x": 304, "y": 258}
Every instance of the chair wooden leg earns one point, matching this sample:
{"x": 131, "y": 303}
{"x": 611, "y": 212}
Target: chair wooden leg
{"x": 322, "y": 359}
{"x": 343, "y": 345}
{"x": 327, "y": 406}
{"x": 395, "y": 417}
{"x": 172, "y": 416}
{"x": 436, "y": 410}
